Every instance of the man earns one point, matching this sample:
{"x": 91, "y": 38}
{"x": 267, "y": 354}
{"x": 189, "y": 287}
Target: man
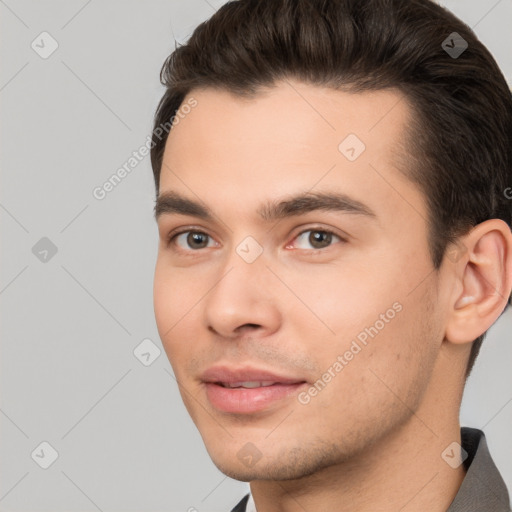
{"x": 335, "y": 241}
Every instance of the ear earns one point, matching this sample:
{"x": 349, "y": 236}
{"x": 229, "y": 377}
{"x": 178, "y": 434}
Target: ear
{"x": 482, "y": 263}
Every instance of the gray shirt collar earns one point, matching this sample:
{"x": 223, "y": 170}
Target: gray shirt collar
{"x": 483, "y": 488}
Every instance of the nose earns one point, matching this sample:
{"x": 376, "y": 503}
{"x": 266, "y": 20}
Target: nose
{"x": 243, "y": 300}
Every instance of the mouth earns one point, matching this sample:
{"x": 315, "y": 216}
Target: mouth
{"x": 248, "y": 390}
{"x": 248, "y": 384}
{"x": 245, "y": 399}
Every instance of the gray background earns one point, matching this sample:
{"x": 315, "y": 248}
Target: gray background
{"x": 70, "y": 325}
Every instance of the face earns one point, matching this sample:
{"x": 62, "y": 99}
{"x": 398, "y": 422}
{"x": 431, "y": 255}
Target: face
{"x": 302, "y": 271}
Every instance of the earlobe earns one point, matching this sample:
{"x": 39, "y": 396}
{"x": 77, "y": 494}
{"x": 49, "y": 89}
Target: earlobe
{"x": 484, "y": 274}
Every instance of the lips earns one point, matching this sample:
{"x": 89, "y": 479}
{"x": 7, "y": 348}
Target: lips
{"x": 237, "y": 376}
{"x": 248, "y": 390}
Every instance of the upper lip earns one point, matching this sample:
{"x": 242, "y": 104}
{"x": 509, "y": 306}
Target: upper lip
{"x": 225, "y": 374}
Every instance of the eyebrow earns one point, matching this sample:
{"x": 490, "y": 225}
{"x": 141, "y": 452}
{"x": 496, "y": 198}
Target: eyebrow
{"x": 173, "y": 203}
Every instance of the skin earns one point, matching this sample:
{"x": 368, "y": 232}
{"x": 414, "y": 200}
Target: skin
{"x": 372, "y": 439}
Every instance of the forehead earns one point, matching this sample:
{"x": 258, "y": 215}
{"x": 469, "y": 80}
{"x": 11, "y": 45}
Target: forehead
{"x": 293, "y": 111}
{"x": 291, "y": 136}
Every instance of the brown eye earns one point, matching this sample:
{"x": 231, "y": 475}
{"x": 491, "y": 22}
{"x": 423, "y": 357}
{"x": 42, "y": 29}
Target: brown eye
{"x": 191, "y": 240}
{"x": 316, "y": 239}
{"x": 320, "y": 239}
{"x": 197, "y": 240}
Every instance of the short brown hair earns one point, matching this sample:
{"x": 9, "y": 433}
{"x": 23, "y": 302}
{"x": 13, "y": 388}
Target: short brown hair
{"x": 459, "y": 147}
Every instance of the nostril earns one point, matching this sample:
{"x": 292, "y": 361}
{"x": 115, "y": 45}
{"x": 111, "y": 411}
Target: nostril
{"x": 249, "y": 327}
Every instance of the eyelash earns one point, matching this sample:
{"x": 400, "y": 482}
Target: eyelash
{"x": 171, "y": 239}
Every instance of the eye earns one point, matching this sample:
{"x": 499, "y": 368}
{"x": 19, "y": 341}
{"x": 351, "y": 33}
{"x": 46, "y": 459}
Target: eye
{"x": 317, "y": 238}
{"x": 191, "y": 240}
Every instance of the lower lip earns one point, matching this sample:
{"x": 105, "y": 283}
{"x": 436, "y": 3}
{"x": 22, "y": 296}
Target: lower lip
{"x": 248, "y": 400}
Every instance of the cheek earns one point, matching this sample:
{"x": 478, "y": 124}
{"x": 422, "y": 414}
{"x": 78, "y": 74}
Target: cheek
{"x": 336, "y": 303}
{"x": 175, "y": 292}
{"x": 174, "y": 297}
{"x": 376, "y": 383}
{"x": 163, "y": 301}
{"x": 370, "y": 319}
{"x": 398, "y": 361}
